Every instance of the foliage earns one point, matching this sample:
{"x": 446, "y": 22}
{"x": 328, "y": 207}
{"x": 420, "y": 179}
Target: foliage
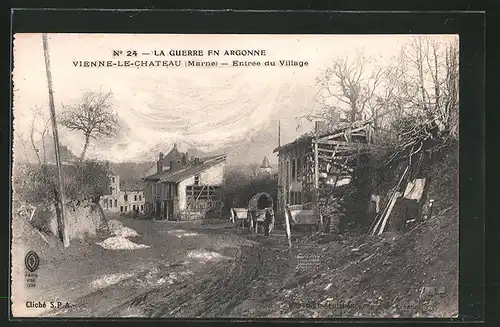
{"x": 84, "y": 181}
{"x": 422, "y": 81}
{"x": 92, "y": 116}
{"x": 239, "y": 187}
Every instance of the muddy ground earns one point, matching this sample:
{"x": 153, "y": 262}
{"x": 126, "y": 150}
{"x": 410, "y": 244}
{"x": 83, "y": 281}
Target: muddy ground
{"x": 210, "y": 269}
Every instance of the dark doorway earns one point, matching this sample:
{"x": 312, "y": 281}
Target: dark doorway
{"x": 169, "y": 210}
{"x": 158, "y": 209}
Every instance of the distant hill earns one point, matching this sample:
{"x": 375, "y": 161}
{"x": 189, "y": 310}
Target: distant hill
{"x": 131, "y": 170}
{"x": 45, "y": 149}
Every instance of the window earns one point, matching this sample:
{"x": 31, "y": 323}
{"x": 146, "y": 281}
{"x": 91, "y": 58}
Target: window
{"x": 196, "y": 179}
{"x": 133, "y": 207}
{"x": 110, "y": 203}
{"x": 140, "y": 197}
{"x": 142, "y": 207}
{"x": 125, "y": 197}
{"x": 110, "y": 190}
{"x": 121, "y": 208}
{"x": 126, "y": 208}
{"x": 116, "y": 203}
{"x": 135, "y": 197}
{"x": 112, "y": 179}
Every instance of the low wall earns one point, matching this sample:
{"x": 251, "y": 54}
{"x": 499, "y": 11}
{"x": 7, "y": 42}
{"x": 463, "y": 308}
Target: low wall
{"x": 81, "y": 221}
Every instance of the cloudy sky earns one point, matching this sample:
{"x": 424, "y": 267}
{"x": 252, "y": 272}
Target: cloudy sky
{"x": 203, "y": 108}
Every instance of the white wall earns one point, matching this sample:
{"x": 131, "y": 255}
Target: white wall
{"x": 213, "y": 176}
{"x": 182, "y": 191}
{"x": 121, "y": 201}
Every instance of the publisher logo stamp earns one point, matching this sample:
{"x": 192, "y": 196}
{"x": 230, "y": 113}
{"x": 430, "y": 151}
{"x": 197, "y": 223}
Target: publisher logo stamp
{"x": 32, "y": 261}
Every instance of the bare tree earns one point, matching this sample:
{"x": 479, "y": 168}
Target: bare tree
{"x": 349, "y": 87}
{"x": 38, "y": 131}
{"x": 93, "y": 116}
{"x": 431, "y": 79}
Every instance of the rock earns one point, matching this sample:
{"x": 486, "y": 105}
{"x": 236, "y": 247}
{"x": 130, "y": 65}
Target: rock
{"x": 427, "y": 291}
{"x": 441, "y": 290}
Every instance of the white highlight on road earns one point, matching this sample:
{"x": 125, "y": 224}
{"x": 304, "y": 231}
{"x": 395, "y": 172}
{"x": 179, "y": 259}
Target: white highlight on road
{"x": 155, "y": 277}
{"x": 206, "y": 255}
{"x": 181, "y": 233}
{"x": 108, "y": 280}
{"x": 121, "y": 243}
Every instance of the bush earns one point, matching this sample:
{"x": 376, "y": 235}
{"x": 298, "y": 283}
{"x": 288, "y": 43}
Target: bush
{"x": 239, "y": 187}
{"x": 85, "y": 181}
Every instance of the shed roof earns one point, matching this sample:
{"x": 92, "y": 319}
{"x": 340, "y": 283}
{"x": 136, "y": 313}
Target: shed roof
{"x": 309, "y": 136}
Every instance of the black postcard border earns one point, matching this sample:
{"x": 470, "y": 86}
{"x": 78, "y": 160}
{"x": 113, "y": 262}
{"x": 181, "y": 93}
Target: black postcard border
{"x": 469, "y": 25}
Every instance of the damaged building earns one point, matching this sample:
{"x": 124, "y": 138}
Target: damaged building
{"x": 184, "y": 188}
{"x": 325, "y": 156}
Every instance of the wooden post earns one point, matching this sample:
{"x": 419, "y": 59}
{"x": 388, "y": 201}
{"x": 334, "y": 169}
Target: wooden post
{"x": 62, "y": 225}
{"x": 288, "y": 229}
{"x": 316, "y": 166}
{"x": 316, "y": 181}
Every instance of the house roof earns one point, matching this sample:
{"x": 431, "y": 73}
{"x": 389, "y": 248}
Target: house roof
{"x": 179, "y": 175}
{"x": 265, "y": 163}
{"x": 309, "y": 136}
{"x": 173, "y": 155}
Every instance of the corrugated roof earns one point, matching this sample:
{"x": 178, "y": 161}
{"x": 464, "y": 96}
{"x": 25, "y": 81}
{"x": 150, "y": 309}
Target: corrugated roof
{"x": 179, "y": 175}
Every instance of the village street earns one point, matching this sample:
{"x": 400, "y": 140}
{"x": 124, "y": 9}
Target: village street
{"x": 190, "y": 269}
{"x": 210, "y": 269}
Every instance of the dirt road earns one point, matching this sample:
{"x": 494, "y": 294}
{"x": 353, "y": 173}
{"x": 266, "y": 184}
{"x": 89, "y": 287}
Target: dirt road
{"x": 189, "y": 270}
{"x": 192, "y": 269}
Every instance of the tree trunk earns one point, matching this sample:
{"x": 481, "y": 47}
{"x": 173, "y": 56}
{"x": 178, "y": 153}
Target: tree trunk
{"x": 85, "y": 147}
{"x": 101, "y": 212}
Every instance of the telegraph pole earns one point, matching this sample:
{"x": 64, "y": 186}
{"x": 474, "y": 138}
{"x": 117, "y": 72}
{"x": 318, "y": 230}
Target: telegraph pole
{"x": 61, "y": 221}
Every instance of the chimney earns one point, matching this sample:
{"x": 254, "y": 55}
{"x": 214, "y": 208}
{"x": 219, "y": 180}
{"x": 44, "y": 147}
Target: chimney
{"x": 159, "y": 163}
{"x": 184, "y": 159}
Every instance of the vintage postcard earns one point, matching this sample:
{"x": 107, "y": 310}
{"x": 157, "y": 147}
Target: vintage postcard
{"x": 235, "y": 176}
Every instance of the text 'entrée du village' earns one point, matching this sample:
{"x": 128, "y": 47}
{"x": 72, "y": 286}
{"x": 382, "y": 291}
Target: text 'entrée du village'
{"x": 190, "y": 58}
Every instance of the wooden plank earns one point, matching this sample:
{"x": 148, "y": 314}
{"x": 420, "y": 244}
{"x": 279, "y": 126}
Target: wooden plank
{"x": 388, "y": 204}
{"x": 387, "y": 215}
{"x": 330, "y": 137}
{"x": 336, "y": 158}
{"x": 333, "y": 142}
{"x": 339, "y": 148}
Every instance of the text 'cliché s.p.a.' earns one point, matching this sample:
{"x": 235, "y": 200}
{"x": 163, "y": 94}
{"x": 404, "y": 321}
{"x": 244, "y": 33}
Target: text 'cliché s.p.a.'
{"x": 189, "y": 58}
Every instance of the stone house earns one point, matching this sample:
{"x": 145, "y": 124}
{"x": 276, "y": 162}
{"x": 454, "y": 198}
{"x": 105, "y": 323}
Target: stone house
{"x": 184, "y": 188}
